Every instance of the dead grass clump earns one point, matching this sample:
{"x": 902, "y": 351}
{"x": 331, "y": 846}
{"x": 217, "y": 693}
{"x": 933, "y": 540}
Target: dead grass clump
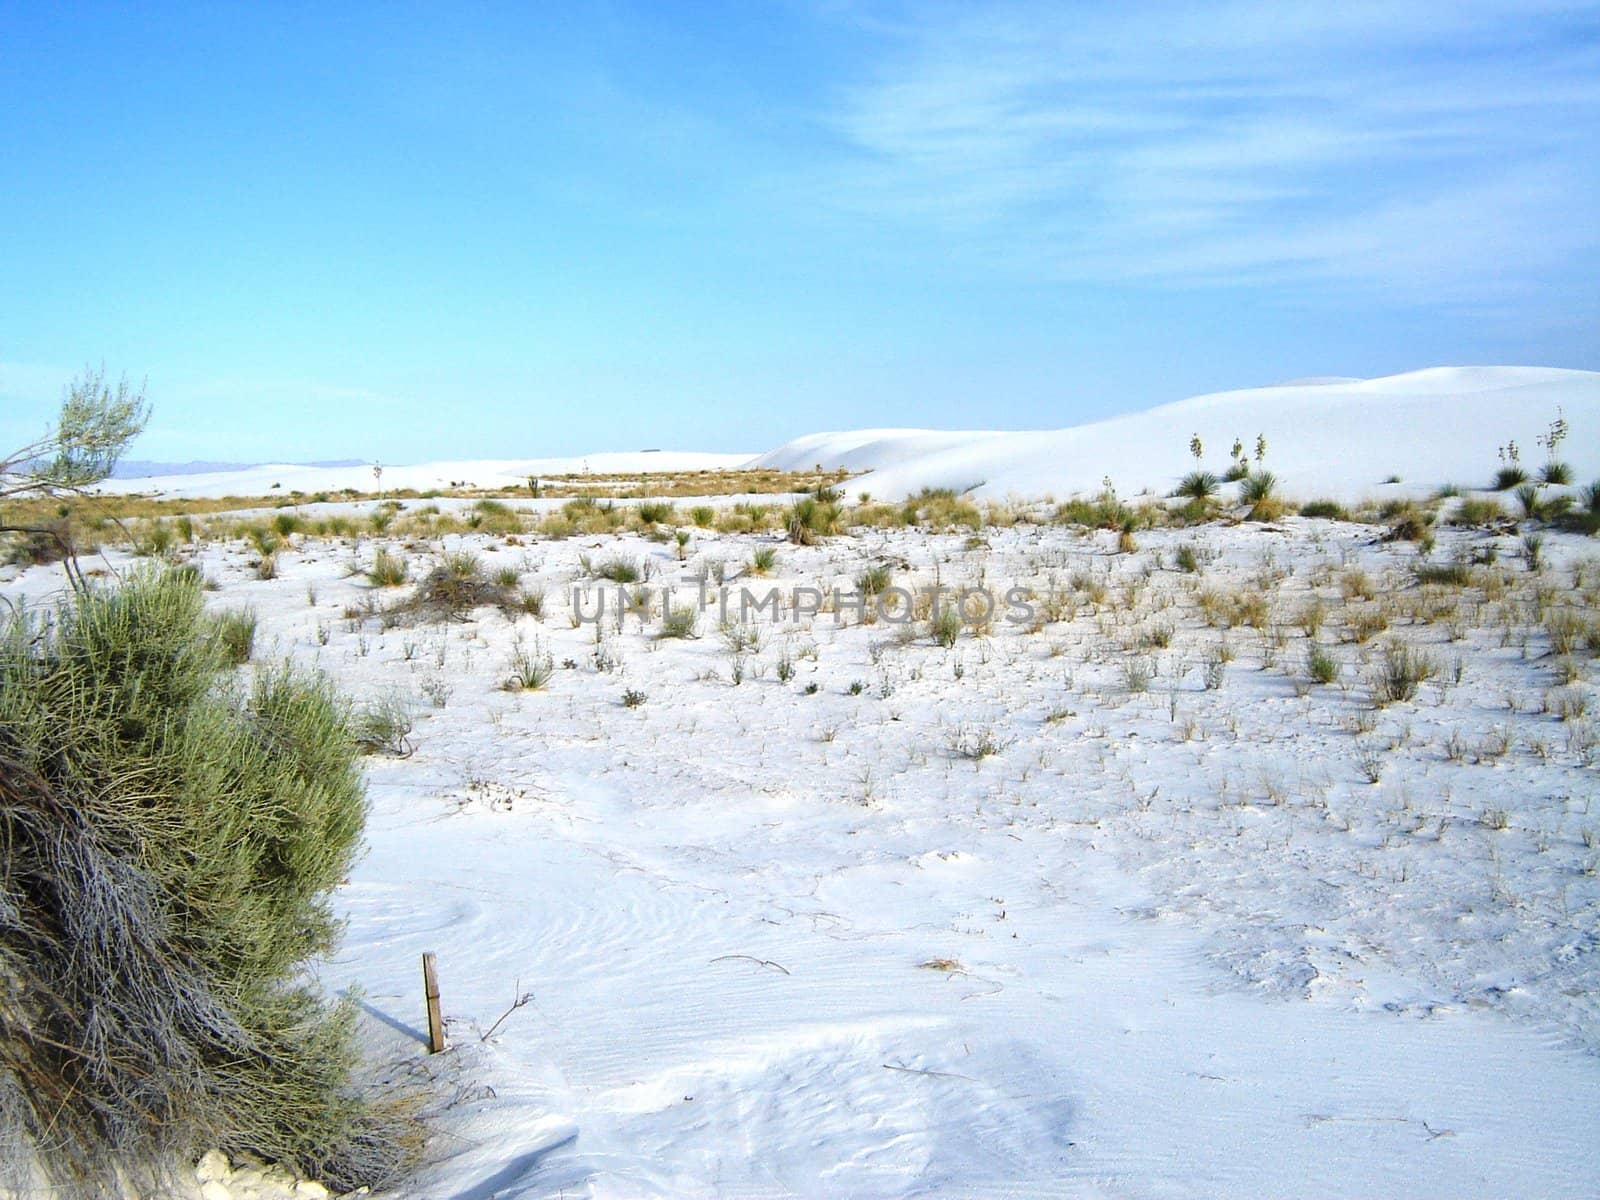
{"x": 456, "y": 586}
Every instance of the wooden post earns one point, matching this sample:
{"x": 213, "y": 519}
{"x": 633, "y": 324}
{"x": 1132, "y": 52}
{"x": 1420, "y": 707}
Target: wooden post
{"x": 430, "y": 991}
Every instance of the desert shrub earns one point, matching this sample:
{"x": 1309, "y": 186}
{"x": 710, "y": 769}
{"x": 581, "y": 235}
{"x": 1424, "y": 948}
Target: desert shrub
{"x": 156, "y": 539}
{"x": 50, "y": 541}
{"x": 703, "y": 515}
{"x": 1589, "y": 497}
{"x": 874, "y": 580}
{"x": 1477, "y": 511}
{"x": 1455, "y": 574}
{"x": 456, "y": 586}
{"x": 531, "y": 670}
{"x": 633, "y": 698}
{"x": 763, "y": 560}
{"x": 1188, "y": 561}
{"x": 945, "y": 625}
{"x": 530, "y": 601}
{"x": 1321, "y": 666}
{"x": 1399, "y": 674}
{"x": 170, "y": 845}
{"x": 1331, "y": 510}
{"x": 941, "y": 508}
{"x": 494, "y": 516}
{"x": 383, "y": 726}
{"x": 388, "y": 570}
{"x": 618, "y": 569}
{"x": 1408, "y": 522}
{"x": 678, "y": 622}
{"x": 1533, "y": 550}
{"x": 235, "y": 633}
{"x": 507, "y": 578}
{"x": 1557, "y": 473}
{"x": 656, "y": 512}
{"x": 285, "y": 524}
{"x": 1507, "y": 477}
{"x": 263, "y": 539}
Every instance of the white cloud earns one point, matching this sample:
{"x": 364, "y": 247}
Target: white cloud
{"x": 1435, "y": 151}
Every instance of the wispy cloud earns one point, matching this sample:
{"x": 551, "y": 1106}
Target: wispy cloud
{"x": 1438, "y": 152}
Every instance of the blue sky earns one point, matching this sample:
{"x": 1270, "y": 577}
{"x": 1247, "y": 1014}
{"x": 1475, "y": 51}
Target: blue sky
{"x": 414, "y": 231}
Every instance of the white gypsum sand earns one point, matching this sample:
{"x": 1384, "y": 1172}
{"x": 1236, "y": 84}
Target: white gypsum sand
{"x": 1116, "y": 902}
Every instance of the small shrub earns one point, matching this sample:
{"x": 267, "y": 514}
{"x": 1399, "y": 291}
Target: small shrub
{"x": 1137, "y": 674}
{"x": 703, "y": 515}
{"x": 384, "y": 726}
{"x": 1508, "y": 477}
{"x": 531, "y": 670}
{"x": 633, "y": 698}
{"x": 1187, "y": 559}
{"x": 1321, "y": 666}
{"x": 1533, "y": 550}
{"x": 1475, "y": 511}
{"x": 506, "y": 578}
{"x": 874, "y": 580}
{"x": 656, "y": 512}
{"x": 455, "y": 587}
{"x": 945, "y": 625}
{"x": 1402, "y": 670}
{"x": 235, "y": 633}
{"x": 619, "y": 570}
{"x": 1589, "y": 497}
{"x": 1330, "y": 510}
{"x": 975, "y": 743}
{"x": 1455, "y": 574}
{"x": 1556, "y": 473}
{"x": 388, "y": 570}
{"x": 678, "y": 622}
{"x": 494, "y": 516}
{"x": 763, "y": 560}
{"x": 529, "y": 601}
{"x": 1408, "y": 522}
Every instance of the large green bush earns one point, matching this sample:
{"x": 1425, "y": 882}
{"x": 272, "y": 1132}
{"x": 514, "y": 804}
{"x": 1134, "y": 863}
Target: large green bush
{"x": 168, "y": 843}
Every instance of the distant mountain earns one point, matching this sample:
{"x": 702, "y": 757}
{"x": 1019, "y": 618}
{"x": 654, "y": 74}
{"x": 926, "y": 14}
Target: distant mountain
{"x": 141, "y": 469}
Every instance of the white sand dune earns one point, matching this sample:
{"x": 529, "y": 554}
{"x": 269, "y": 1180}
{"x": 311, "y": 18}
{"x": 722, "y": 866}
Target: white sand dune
{"x": 1338, "y": 438}
{"x": 1326, "y": 436}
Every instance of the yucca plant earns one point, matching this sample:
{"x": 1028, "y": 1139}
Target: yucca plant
{"x": 1528, "y": 497}
{"x": 1198, "y": 485}
{"x": 1257, "y": 486}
